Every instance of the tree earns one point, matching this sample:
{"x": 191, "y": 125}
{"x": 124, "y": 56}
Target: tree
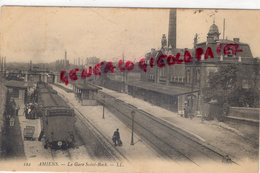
{"x": 234, "y": 85}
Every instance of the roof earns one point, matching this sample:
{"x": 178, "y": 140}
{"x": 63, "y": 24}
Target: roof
{"x": 47, "y": 90}
{"x": 86, "y": 86}
{"x": 182, "y": 51}
{"x": 53, "y": 100}
{"x": 17, "y": 84}
{"x": 152, "y": 54}
{"x": 168, "y": 90}
{"x": 44, "y": 85}
{"x": 177, "y": 69}
{"x": 174, "y": 51}
{"x": 213, "y": 29}
{"x": 224, "y": 42}
{"x": 245, "y": 54}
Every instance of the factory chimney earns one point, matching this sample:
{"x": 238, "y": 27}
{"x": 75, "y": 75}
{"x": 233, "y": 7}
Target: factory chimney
{"x": 30, "y": 64}
{"x": 65, "y": 59}
{"x": 1, "y": 66}
{"x": 172, "y": 29}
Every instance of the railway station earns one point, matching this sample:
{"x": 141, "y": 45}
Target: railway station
{"x": 128, "y": 119}
{"x": 114, "y": 110}
{"x": 86, "y": 94}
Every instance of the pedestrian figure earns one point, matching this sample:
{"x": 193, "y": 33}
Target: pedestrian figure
{"x": 186, "y": 110}
{"x": 17, "y": 108}
{"x": 13, "y": 106}
{"x": 116, "y": 137}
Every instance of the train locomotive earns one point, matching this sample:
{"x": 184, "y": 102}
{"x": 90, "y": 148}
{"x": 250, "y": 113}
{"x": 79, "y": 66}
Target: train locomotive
{"x": 57, "y": 119}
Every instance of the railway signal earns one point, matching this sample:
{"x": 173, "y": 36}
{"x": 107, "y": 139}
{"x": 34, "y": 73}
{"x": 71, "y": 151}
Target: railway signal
{"x": 133, "y": 115}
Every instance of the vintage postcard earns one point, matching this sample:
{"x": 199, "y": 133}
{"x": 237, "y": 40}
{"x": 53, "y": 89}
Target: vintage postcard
{"x": 129, "y": 90}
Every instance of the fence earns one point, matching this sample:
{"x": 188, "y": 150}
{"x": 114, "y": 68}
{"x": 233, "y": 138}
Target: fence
{"x": 247, "y": 113}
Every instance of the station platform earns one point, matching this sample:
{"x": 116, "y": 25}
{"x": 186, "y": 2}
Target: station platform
{"x": 33, "y": 148}
{"x": 107, "y": 126}
{"x": 218, "y": 134}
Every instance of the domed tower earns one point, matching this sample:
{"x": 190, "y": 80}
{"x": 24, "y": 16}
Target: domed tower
{"x": 213, "y": 34}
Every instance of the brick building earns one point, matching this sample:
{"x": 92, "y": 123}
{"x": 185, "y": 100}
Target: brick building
{"x": 176, "y": 80}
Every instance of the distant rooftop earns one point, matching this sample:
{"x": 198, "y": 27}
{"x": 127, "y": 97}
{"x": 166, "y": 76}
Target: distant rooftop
{"x": 18, "y": 84}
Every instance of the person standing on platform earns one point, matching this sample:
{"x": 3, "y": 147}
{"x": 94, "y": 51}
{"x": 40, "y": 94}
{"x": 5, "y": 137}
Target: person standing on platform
{"x": 17, "y": 108}
{"x": 116, "y": 137}
{"x": 186, "y": 110}
{"x": 13, "y": 106}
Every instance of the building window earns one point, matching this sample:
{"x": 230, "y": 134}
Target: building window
{"x": 15, "y": 93}
{"x": 230, "y": 51}
{"x": 198, "y": 76}
{"x": 163, "y": 72}
{"x": 91, "y": 95}
{"x": 188, "y": 76}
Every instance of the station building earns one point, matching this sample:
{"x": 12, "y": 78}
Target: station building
{"x": 18, "y": 90}
{"x": 170, "y": 86}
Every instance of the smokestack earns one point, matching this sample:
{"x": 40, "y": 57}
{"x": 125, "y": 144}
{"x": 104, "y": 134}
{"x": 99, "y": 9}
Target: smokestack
{"x": 172, "y": 29}
{"x": 224, "y": 29}
{"x": 5, "y": 64}
{"x": 30, "y": 64}
{"x": 1, "y": 65}
{"x": 79, "y": 61}
{"x": 236, "y": 40}
{"x": 65, "y": 59}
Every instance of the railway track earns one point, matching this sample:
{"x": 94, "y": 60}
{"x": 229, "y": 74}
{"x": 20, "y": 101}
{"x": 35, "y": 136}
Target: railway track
{"x": 168, "y": 140}
{"x": 97, "y": 144}
{"x": 64, "y": 88}
{"x": 59, "y": 155}
{"x": 101, "y": 148}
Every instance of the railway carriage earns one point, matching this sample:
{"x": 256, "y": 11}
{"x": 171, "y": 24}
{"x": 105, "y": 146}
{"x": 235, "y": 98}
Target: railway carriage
{"x": 57, "y": 121}
{"x": 43, "y": 88}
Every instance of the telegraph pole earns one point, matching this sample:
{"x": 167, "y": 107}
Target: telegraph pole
{"x": 193, "y": 74}
{"x": 124, "y": 74}
{"x": 123, "y": 71}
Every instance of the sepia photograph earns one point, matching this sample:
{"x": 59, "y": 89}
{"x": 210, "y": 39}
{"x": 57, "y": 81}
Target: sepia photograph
{"x": 87, "y": 89}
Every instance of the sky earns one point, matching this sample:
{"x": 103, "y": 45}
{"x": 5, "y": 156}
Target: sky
{"x": 43, "y": 34}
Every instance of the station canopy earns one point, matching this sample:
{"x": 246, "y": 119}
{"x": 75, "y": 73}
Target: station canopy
{"x": 159, "y": 88}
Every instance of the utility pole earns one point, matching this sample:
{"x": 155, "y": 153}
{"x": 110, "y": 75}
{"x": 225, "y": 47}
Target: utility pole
{"x": 124, "y": 75}
{"x": 193, "y": 74}
{"x": 123, "y": 65}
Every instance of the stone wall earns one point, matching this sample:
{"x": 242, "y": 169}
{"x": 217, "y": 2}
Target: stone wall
{"x": 247, "y": 113}
{"x": 3, "y": 92}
